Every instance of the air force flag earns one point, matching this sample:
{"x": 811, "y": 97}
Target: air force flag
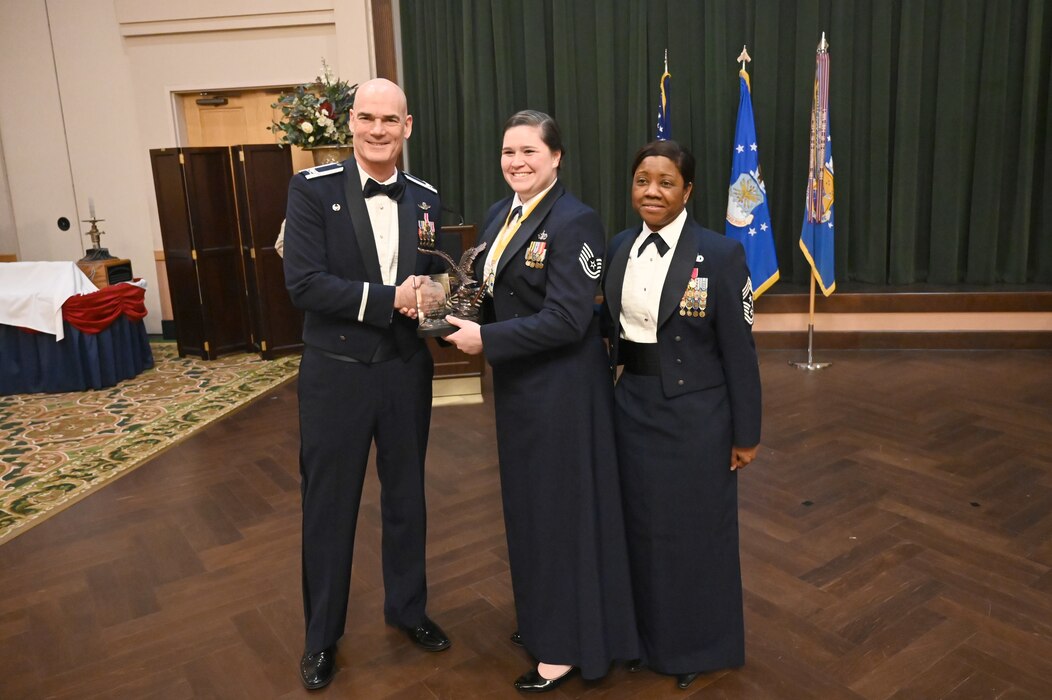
{"x": 748, "y": 217}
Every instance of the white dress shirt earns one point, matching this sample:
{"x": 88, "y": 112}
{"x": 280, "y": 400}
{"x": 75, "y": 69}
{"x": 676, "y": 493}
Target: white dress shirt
{"x": 644, "y": 279}
{"x": 383, "y": 217}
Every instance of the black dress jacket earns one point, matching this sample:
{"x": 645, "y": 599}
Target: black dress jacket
{"x": 698, "y": 352}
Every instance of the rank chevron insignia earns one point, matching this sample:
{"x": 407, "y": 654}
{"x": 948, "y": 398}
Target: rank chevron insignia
{"x": 591, "y": 265}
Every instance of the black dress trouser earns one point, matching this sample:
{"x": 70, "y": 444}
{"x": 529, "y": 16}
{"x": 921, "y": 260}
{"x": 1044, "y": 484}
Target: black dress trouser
{"x": 343, "y": 407}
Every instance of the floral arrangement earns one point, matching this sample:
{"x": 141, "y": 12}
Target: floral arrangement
{"x": 316, "y": 114}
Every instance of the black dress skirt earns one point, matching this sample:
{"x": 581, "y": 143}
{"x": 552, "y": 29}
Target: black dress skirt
{"x": 681, "y": 511}
{"x": 562, "y": 508}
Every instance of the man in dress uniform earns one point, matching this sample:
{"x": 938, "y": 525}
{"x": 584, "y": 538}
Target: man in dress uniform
{"x": 351, "y": 264}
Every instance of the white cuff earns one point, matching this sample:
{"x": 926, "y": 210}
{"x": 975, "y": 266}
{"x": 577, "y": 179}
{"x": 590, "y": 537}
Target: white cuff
{"x": 365, "y": 300}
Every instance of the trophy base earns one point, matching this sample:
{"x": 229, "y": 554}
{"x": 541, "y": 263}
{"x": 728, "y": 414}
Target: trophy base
{"x": 103, "y": 273}
{"x": 435, "y": 329}
{"x": 97, "y": 254}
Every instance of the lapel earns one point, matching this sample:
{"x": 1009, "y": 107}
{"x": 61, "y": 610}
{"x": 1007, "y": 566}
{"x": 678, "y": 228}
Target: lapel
{"x": 363, "y": 230}
{"x": 678, "y": 271}
{"x": 613, "y": 288}
{"x": 489, "y": 235}
{"x": 408, "y": 235}
{"x": 529, "y": 227}
{"x": 615, "y": 280}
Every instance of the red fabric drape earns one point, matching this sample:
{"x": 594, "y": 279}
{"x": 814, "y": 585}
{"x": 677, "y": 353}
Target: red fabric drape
{"x": 91, "y": 313}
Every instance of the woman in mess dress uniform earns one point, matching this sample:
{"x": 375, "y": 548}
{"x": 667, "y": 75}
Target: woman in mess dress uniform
{"x": 678, "y": 305}
{"x": 554, "y": 414}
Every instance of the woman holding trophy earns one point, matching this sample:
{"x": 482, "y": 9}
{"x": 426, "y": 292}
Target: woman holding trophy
{"x": 553, "y": 402}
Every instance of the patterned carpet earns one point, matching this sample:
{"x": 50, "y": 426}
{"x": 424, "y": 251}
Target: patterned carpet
{"x": 57, "y": 448}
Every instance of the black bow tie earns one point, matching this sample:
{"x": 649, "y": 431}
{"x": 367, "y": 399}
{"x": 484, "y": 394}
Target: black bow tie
{"x": 393, "y": 190}
{"x": 658, "y": 242}
{"x": 515, "y": 214}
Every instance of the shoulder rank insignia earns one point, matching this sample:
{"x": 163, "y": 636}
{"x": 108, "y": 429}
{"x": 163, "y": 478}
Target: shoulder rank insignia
{"x": 422, "y": 183}
{"x": 590, "y": 262}
{"x": 323, "y": 170}
{"x": 747, "y": 305}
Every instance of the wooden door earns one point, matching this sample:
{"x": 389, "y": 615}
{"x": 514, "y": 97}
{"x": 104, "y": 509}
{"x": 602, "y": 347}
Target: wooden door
{"x": 244, "y": 119}
{"x": 262, "y": 174}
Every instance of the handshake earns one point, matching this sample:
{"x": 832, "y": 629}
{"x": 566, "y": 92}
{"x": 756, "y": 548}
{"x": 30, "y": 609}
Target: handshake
{"x": 406, "y": 293}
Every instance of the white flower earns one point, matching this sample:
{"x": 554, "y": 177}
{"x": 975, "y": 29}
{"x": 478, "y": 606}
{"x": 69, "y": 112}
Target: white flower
{"x": 310, "y": 140}
{"x": 307, "y": 128}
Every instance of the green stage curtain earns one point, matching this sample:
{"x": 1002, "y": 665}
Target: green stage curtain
{"x": 940, "y": 114}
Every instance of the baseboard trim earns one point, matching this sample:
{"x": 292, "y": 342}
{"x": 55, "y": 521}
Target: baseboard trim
{"x": 865, "y": 340}
{"x": 907, "y": 302}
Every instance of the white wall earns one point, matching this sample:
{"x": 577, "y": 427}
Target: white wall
{"x": 114, "y": 67}
{"x": 8, "y": 238}
{"x": 33, "y": 135}
{"x": 103, "y": 132}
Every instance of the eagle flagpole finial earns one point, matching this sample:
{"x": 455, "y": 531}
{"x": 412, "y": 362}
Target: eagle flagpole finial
{"x": 744, "y": 57}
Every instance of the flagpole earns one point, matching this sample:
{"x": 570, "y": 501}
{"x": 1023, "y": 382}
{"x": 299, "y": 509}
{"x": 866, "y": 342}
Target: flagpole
{"x": 815, "y": 197}
{"x": 811, "y": 364}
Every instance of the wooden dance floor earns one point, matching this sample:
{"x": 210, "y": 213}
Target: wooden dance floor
{"x": 896, "y": 543}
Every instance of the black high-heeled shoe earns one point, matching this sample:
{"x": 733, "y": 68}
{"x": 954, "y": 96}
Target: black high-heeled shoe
{"x": 683, "y": 680}
{"x": 533, "y": 682}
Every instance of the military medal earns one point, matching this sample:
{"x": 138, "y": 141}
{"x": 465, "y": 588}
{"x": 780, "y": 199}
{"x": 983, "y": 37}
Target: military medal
{"x": 426, "y": 233}
{"x": 695, "y": 297}
{"x": 702, "y": 286}
{"x": 536, "y": 252}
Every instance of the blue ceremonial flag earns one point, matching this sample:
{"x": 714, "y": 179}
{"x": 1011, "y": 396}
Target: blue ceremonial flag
{"x": 664, "y": 116}
{"x": 816, "y": 237}
{"x": 748, "y": 216}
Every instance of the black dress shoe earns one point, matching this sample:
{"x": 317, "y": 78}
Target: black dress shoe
{"x": 516, "y": 638}
{"x": 316, "y": 670}
{"x": 634, "y": 665}
{"x": 683, "y": 680}
{"x": 428, "y": 636}
{"x": 533, "y": 682}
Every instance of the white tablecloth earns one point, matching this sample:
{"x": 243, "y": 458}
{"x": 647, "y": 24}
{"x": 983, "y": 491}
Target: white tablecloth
{"x": 32, "y": 293}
